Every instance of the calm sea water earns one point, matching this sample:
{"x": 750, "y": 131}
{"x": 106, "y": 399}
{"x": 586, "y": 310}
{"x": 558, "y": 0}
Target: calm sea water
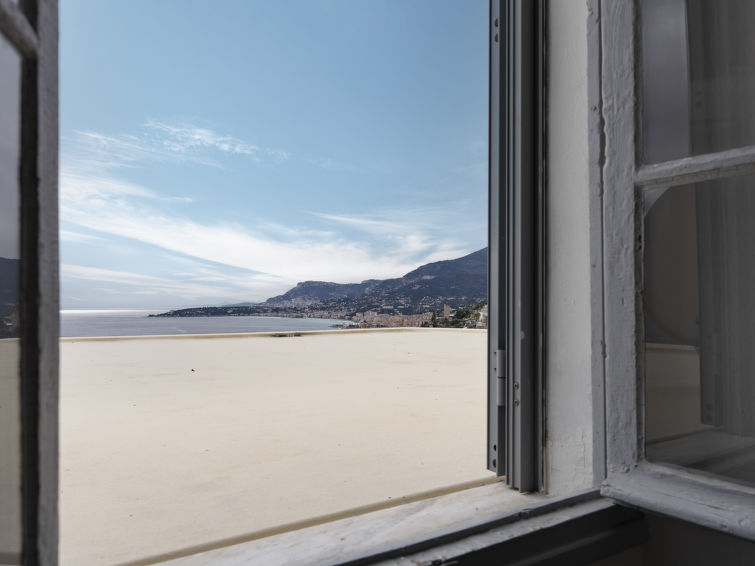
{"x": 133, "y": 322}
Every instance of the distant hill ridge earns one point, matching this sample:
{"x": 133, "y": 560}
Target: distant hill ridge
{"x": 461, "y": 278}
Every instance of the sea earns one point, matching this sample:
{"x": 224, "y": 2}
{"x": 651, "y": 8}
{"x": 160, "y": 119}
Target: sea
{"x": 137, "y": 322}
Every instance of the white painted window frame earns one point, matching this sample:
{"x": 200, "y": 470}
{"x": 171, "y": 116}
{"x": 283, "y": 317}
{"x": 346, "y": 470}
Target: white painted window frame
{"x": 665, "y": 489}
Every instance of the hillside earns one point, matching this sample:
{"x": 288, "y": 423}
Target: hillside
{"x": 464, "y": 278}
{"x": 460, "y": 282}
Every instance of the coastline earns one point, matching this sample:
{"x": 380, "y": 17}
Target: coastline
{"x": 137, "y": 323}
{"x": 265, "y": 334}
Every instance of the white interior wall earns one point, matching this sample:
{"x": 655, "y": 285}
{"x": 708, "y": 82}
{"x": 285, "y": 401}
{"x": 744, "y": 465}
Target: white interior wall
{"x": 569, "y": 297}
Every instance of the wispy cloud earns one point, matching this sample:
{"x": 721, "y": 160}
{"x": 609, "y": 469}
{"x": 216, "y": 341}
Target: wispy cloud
{"x": 290, "y": 254}
{"x": 96, "y": 197}
{"x": 70, "y": 236}
{"x": 425, "y": 233}
{"x": 183, "y": 139}
{"x": 182, "y": 287}
{"x": 330, "y": 164}
{"x": 159, "y": 141}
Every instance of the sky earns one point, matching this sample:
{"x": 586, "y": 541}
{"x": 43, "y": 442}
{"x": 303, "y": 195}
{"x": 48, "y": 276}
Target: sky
{"x": 215, "y": 152}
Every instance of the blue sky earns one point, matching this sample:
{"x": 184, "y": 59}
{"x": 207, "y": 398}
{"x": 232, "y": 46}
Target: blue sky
{"x": 221, "y": 151}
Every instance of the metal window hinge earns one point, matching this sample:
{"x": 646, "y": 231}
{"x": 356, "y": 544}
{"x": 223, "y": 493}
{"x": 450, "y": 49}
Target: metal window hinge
{"x": 500, "y": 372}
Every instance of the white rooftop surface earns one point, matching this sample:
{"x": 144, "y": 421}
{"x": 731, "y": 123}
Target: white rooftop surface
{"x": 169, "y": 443}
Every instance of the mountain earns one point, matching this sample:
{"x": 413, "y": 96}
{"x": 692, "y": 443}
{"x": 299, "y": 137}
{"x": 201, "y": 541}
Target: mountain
{"x": 456, "y": 281}
{"x": 308, "y": 292}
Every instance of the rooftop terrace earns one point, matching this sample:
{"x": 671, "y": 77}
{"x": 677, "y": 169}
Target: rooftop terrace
{"x": 172, "y": 442}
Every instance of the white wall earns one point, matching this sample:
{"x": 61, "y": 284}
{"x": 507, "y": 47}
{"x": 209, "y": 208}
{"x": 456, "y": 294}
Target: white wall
{"x": 569, "y": 300}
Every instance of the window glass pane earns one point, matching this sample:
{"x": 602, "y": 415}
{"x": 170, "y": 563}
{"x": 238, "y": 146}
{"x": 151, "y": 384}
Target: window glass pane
{"x": 698, "y": 82}
{"x": 699, "y": 297}
{"x": 10, "y": 436}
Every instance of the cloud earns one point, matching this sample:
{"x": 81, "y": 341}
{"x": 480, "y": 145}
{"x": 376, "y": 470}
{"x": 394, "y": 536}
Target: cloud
{"x": 330, "y": 164}
{"x": 95, "y": 196}
{"x": 182, "y": 287}
{"x": 163, "y": 142}
{"x": 287, "y": 253}
{"x": 69, "y": 236}
{"x": 185, "y": 139}
{"x": 414, "y": 231}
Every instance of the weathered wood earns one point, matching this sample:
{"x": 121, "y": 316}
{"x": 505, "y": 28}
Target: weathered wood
{"x": 595, "y": 176}
{"x": 676, "y": 492}
{"x": 738, "y": 161}
{"x": 621, "y": 239}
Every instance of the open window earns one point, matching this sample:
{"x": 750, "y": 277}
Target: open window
{"x": 678, "y": 243}
{"x": 515, "y": 244}
{"x": 29, "y": 32}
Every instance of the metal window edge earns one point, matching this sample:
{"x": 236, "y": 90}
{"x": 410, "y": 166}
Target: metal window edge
{"x": 685, "y": 495}
{"x": 514, "y": 446}
{"x": 387, "y": 534}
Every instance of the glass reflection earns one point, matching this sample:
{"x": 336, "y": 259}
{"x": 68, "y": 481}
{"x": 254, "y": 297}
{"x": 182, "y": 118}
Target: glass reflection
{"x": 10, "y": 436}
{"x": 698, "y": 79}
{"x": 699, "y": 298}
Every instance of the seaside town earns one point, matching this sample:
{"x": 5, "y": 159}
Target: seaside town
{"x": 386, "y": 316}
{"x": 443, "y": 294}
{"x": 473, "y": 317}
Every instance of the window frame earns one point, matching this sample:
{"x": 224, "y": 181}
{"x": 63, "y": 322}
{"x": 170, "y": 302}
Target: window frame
{"x": 665, "y": 489}
{"x": 31, "y": 27}
{"x": 516, "y": 243}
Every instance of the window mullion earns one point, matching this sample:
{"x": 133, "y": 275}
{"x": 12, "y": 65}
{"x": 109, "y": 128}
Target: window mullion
{"x": 738, "y": 161}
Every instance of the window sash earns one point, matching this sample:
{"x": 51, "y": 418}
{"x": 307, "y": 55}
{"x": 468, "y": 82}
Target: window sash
{"x": 707, "y": 167}
{"x": 687, "y": 494}
{"x": 514, "y": 247}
